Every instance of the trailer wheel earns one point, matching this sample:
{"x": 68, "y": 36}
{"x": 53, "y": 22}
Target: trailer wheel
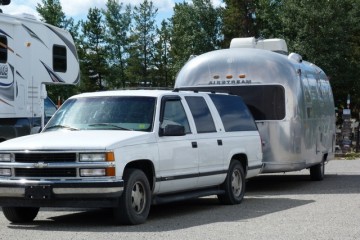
{"x": 20, "y": 214}
{"x": 135, "y": 201}
{"x": 234, "y": 185}
{"x": 317, "y": 172}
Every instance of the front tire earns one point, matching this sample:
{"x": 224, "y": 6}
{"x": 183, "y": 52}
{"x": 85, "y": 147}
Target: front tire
{"x": 20, "y": 214}
{"x": 234, "y": 185}
{"x": 317, "y": 172}
{"x": 135, "y": 201}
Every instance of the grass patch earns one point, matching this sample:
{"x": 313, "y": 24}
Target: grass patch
{"x": 351, "y": 155}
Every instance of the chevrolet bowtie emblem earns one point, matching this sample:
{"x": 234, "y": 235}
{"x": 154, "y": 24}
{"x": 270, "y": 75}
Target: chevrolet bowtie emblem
{"x": 40, "y": 165}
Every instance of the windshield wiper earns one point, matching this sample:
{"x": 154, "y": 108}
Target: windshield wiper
{"x": 109, "y": 125}
{"x": 61, "y": 126}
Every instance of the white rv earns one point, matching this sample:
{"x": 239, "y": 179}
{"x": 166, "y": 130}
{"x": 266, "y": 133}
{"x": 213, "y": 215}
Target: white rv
{"x": 290, "y": 99}
{"x": 32, "y": 54}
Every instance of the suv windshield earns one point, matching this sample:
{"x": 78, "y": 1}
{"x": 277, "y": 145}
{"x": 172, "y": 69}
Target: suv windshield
{"x": 105, "y": 113}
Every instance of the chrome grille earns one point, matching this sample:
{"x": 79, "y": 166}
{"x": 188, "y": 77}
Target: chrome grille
{"x": 39, "y": 164}
{"x": 45, "y": 157}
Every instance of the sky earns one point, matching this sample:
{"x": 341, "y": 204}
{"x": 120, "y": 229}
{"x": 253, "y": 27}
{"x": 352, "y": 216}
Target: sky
{"x": 78, "y": 9}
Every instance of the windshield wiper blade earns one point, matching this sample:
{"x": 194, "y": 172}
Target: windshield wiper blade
{"x": 109, "y": 125}
{"x": 61, "y": 126}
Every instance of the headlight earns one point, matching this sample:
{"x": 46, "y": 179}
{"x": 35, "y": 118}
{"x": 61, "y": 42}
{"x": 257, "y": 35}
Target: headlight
{"x": 96, "y": 157}
{"x": 5, "y": 157}
{"x": 92, "y": 157}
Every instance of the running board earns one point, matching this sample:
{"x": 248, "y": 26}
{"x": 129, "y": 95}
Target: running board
{"x": 161, "y": 199}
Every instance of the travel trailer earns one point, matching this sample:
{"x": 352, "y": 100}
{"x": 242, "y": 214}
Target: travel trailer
{"x": 290, "y": 99}
{"x": 32, "y": 55}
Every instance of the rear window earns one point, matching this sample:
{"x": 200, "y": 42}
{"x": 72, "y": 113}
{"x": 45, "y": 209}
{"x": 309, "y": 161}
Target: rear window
{"x": 201, "y": 113}
{"x": 234, "y": 113}
{"x": 266, "y": 102}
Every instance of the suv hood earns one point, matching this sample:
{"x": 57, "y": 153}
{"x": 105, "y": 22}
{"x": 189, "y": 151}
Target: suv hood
{"x": 75, "y": 140}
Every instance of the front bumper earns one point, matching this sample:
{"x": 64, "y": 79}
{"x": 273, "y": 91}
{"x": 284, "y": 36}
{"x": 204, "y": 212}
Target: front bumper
{"x": 60, "y": 193}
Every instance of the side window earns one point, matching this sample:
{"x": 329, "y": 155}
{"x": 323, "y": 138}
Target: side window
{"x": 174, "y": 113}
{"x": 234, "y": 113}
{"x": 49, "y": 108}
{"x": 59, "y": 58}
{"x": 201, "y": 113}
{"x": 3, "y": 49}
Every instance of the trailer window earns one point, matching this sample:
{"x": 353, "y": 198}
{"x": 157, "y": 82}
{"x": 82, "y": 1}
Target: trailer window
{"x": 3, "y": 49}
{"x": 266, "y": 102}
{"x": 59, "y": 58}
{"x": 201, "y": 113}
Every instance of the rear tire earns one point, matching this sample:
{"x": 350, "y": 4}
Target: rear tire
{"x": 234, "y": 185}
{"x": 20, "y": 214}
{"x": 317, "y": 172}
{"x": 135, "y": 201}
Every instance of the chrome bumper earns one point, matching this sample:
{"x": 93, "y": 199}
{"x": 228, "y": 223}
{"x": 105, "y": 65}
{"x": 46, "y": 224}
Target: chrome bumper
{"x": 39, "y": 189}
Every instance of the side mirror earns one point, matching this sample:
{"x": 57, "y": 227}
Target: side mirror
{"x": 172, "y": 130}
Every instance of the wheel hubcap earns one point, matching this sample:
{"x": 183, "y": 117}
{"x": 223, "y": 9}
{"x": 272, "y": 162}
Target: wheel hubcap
{"x": 138, "y": 197}
{"x": 236, "y": 182}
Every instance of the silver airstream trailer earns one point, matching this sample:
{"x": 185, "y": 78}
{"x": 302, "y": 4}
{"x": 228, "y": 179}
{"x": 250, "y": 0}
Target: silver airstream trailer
{"x": 290, "y": 99}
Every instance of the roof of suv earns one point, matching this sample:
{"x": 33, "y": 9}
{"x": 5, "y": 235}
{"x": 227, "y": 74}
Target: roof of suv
{"x": 147, "y": 93}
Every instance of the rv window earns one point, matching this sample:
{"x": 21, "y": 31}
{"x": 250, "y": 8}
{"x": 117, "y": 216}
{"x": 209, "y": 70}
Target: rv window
{"x": 3, "y": 49}
{"x": 201, "y": 113}
{"x": 59, "y": 58}
{"x": 265, "y": 102}
{"x": 234, "y": 113}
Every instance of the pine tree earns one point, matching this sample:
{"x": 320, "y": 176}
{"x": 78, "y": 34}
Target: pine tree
{"x": 238, "y": 19}
{"x": 141, "y": 61}
{"x": 162, "y": 58}
{"x": 94, "y": 53}
{"x": 118, "y": 22}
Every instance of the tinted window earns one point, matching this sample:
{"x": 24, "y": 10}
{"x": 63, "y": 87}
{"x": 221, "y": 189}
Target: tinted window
{"x": 3, "y": 49}
{"x": 265, "y": 102}
{"x": 59, "y": 58}
{"x": 234, "y": 113}
{"x": 174, "y": 113}
{"x": 201, "y": 113}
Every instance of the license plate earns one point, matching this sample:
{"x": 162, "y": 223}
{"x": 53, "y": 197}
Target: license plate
{"x": 38, "y": 192}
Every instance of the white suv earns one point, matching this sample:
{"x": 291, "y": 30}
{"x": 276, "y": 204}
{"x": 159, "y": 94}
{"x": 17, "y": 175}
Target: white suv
{"x": 129, "y": 149}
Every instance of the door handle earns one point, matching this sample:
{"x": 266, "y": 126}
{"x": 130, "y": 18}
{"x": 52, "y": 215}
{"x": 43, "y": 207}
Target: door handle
{"x": 219, "y": 141}
{"x": 194, "y": 144}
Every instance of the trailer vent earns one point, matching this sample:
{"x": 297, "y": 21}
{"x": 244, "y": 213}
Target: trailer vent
{"x": 274, "y": 44}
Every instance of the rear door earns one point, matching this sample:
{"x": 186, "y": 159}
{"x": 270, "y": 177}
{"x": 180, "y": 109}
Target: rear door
{"x": 209, "y": 143}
